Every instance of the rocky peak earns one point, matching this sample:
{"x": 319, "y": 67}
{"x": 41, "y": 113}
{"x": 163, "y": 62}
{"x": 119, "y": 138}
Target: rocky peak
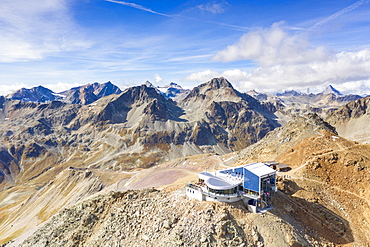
{"x": 252, "y": 92}
{"x": 331, "y": 90}
{"x": 216, "y": 89}
{"x": 134, "y": 97}
{"x": 143, "y": 93}
{"x": 35, "y": 94}
{"x": 149, "y": 84}
{"x": 172, "y": 84}
{"x": 89, "y": 93}
{"x": 173, "y": 91}
{"x": 217, "y": 83}
{"x": 289, "y": 93}
{"x": 80, "y": 95}
{"x": 259, "y": 96}
{"x": 105, "y": 89}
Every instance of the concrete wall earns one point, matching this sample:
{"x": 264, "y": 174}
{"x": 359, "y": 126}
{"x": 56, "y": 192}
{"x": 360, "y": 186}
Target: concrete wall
{"x": 194, "y": 193}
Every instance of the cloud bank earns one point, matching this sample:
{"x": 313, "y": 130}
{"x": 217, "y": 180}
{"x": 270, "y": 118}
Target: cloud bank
{"x": 288, "y": 62}
{"x": 272, "y": 46}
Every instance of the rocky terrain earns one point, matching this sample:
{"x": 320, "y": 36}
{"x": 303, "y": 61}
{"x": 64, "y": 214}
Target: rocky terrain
{"x": 314, "y": 206}
{"x": 352, "y": 120}
{"x": 75, "y": 174}
{"x": 79, "y": 95}
{"x": 89, "y": 93}
{"x": 135, "y": 129}
{"x": 35, "y": 94}
{"x": 293, "y": 103}
{"x": 160, "y": 218}
{"x": 173, "y": 91}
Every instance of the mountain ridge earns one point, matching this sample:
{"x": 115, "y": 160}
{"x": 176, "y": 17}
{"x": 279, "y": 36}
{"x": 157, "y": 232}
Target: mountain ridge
{"x": 140, "y": 139}
{"x": 84, "y": 94}
{"x": 138, "y": 128}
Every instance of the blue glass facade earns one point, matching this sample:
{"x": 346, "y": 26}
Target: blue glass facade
{"x": 251, "y": 181}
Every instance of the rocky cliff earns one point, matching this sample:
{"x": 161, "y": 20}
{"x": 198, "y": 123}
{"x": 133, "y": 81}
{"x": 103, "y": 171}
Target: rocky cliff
{"x": 89, "y": 93}
{"x": 352, "y": 120}
{"x": 35, "y": 94}
{"x": 85, "y": 94}
{"x": 292, "y": 103}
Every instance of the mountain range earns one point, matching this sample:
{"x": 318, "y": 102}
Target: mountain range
{"x": 78, "y": 95}
{"x": 137, "y": 128}
{"x": 291, "y": 102}
{"x": 64, "y": 154}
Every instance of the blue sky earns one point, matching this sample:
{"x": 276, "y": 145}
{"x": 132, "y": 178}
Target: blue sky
{"x": 256, "y": 44}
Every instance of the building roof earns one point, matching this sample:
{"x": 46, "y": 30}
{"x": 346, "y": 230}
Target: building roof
{"x": 219, "y": 184}
{"x": 215, "y": 182}
{"x": 260, "y": 169}
{"x": 283, "y": 165}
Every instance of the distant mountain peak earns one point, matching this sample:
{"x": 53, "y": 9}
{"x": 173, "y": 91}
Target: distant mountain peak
{"x": 173, "y": 84}
{"x": 289, "y": 93}
{"x": 217, "y": 89}
{"x": 331, "y": 90}
{"x": 216, "y": 84}
{"x": 170, "y": 91}
{"x": 149, "y": 84}
{"x": 35, "y": 94}
{"x": 220, "y": 82}
{"x": 253, "y": 92}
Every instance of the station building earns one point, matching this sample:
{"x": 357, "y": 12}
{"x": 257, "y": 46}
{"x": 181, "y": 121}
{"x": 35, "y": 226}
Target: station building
{"x": 253, "y": 183}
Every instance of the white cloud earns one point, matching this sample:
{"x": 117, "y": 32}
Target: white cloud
{"x": 272, "y": 46}
{"x": 235, "y": 75}
{"x": 202, "y": 76}
{"x": 361, "y": 87}
{"x": 157, "y": 78}
{"x": 6, "y": 89}
{"x": 288, "y": 61}
{"x": 232, "y": 75}
{"x": 345, "y": 69}
{"x": 61, "y": 86}
{"x": 36, "y": 28}
{"x": 214, "y": 8}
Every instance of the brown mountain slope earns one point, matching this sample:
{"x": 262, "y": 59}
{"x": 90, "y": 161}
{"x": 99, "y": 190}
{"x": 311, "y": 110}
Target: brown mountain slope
{"x": 334, "y": 173}
{"x": 328, "y": 187}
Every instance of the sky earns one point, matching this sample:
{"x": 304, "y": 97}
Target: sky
{"x": 266, "y": 45}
